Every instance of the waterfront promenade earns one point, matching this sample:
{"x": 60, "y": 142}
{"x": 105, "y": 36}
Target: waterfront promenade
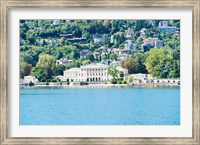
{"x": 77, "y": 85}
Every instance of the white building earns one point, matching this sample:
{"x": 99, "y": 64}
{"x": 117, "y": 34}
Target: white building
{"x": 73, "y": 74}
{"x": 56, "y": 22}
{"x": 129, "y": 33}
{"x": 130, "y": 45}
{"x": 142, "y": 33}
{"x": 164, "y": 27}
{"x": 95, "y": 72}
{"x": 64, "y": 61}
{"x": 153, "y": 42}
{"x": 152, "y": 22}
{"x": 28, "y": 79}
{"x": 96, "y": 55}
{"x": 92, "y": 72}
{"x": 141, "y": 76}
{"x": 113, "y": 37}
{"x": 163, "y": 24}
{"x": 150, "y": 41}
{"x": 98, "y": 38}
{"x": 123, "y": 54}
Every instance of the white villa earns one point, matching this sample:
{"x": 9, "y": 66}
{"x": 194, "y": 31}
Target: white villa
{"x": 64, "y": 61}
{"x": 95, "y": 72}
{"x": 28, "y": 79}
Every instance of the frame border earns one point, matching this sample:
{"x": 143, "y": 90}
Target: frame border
{"x": 5, "y": 5}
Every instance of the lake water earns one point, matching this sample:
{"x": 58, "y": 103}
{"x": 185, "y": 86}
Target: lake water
{"x": 100, "y": 106}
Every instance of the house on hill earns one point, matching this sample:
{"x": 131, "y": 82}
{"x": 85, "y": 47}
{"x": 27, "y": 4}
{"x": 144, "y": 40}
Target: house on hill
{"x": 164, "y": 27}
{"x": 64, "y": 61}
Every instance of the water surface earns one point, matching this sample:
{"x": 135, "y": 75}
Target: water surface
{"x": 100, "y": 106}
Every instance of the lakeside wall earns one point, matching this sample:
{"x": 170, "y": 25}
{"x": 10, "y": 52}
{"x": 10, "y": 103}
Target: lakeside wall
{"x": 65, "y": 84}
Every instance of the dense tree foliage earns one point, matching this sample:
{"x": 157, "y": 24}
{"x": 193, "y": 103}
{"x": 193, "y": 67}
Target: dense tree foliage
{"x": 58, "y": 70}
{"x": 131, "y": 65}
{"x": 160, "y": 63}
{"x": 42, "y": 42}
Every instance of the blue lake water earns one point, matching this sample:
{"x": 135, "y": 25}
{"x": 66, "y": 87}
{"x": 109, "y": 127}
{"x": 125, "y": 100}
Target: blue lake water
{"x": 100, "y": 106}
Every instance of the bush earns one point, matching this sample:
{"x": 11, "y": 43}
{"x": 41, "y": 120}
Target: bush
{"x": 48, "y": 80}
{"x": 113, "y": 81}
{"x": 119, "y": 82}
{"x": 124, "y": 82}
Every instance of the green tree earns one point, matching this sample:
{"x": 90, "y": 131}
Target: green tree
{"x": 130, "y": 64}
{"x": 40, "y": 73}
{"x": 175, "y": 70}
{"x": 113, "y": 72}
{"x": 85, "y": 62}
{"x": 44, "y": 66}
{"x": 140, "y": 60}
{"x": 25, "y": 69}
{"x": 113, "y": 56}
{"x": 158, "y": 63}
{"x": 121, "y": 74}
{"x": 59, "y": 69}
{"x": 90, "y": 57}
{"x": 25, "y": 57}
{"x": 45, "y": 61}
{"x": 75, "y": 63}
{"x": 31, "y": 39}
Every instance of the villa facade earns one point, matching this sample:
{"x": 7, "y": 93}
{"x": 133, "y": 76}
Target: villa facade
{"x": 91, "y": 72}
{"x": 95, "y": 72}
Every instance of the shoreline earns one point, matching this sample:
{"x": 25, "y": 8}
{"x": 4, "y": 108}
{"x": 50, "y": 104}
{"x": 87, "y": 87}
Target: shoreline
{"x": 104, "y": 85}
